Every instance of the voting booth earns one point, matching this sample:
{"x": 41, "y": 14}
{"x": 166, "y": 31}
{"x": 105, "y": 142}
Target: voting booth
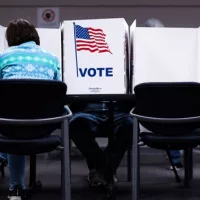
{"x": 95, "y": 56}
{"x": 165, "y": 54}
{"x": 50, "y": 40}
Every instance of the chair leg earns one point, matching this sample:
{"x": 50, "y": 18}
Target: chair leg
{"x": 187, "y": 166}
{"x": 32, "y": 179}
{"x": 129, "y": 165}
{"x": 65, "y": 162}
{"x": 190, "y": 163}
{"x": 135, "y": 162}
{"x": 34, "y": 185}
{"x": 173, "y": 167}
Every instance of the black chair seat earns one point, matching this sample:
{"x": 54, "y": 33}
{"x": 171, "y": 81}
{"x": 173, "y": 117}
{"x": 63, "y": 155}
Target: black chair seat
{"x": 30, "y": 110}
{"x": 168, "y": 142}
{"x": 28, "y": 147}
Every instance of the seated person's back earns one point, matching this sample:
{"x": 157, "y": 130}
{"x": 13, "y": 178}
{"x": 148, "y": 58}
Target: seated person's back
{"x": 27, "y": 60}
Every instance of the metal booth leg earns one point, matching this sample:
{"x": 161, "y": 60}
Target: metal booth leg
{"x": 65, "y": 162}
{"x": 111, "y": 190}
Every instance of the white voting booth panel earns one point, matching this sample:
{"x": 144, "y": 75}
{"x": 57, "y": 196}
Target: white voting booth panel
{"x": 95, "y": 56}
{"x": 50, "y": 40}
{"x": 165, "y": 55}
{"x": 3, "y": 43}
{"x": 197, "y": 71}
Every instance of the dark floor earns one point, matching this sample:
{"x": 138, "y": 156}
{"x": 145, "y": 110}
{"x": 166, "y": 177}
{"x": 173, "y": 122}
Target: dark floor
{"x": 157, "y": 181}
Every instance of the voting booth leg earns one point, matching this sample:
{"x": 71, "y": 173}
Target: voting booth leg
{"x": 65, "y": 162}
{"x": 34, "y": 185}
{"x": 111, "y": 190}
{"x": 110, "y": 142}
{"x": 135, "y": 162}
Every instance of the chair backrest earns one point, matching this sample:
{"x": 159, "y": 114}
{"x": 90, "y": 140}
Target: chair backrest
{"x": 168, "y": 100}
{"x": 30, "y": 99}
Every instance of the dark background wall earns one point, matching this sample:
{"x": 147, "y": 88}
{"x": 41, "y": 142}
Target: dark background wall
{"x": 173, "y": 13}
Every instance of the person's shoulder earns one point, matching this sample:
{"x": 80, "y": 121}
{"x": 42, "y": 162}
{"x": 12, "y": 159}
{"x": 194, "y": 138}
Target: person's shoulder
{"x": 48, "y": 53}
{"x": 6, "y": 53}
{"x": 9, "y": 50}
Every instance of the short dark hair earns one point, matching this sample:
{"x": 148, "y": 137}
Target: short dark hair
{"x": 20, "y": 31}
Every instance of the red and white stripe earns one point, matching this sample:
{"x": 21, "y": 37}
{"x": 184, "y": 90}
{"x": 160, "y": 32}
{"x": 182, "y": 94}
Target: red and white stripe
{"x": 96, "y": 43}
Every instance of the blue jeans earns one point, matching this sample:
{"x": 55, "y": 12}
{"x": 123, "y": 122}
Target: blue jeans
{"x": 16, "y": 165}
{"x": 85, "y": 127}
{"x": 176, "y": 156}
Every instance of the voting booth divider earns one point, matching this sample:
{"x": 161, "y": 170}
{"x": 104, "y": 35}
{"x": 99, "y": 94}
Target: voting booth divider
{"x": 165, "y": 54}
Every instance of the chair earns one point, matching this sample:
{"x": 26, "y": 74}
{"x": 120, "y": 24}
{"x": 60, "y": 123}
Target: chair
{"x": 30, "y": 110}
{"x": 171, "y": 111}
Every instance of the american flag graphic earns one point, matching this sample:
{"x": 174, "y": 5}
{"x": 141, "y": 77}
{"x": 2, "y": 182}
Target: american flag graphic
{"x": 90, "y": 39}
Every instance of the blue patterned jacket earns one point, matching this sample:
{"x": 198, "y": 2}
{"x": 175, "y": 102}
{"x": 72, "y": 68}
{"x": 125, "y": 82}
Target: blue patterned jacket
{"x": 29, "y": 61}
